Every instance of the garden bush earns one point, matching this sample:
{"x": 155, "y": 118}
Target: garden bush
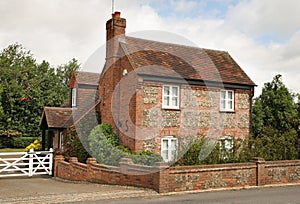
{"x": 22, "y": 142}
{"x": 73, "y": 146}
{"x": 7, "y": 138}
{"x": 104, "y": 146}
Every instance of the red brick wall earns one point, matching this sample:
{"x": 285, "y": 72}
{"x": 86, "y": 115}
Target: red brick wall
{"x": 173, "y": 179}
{"x": 122, "y": 105}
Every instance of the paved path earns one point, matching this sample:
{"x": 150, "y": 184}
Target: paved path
{"x": 44, "y": 189}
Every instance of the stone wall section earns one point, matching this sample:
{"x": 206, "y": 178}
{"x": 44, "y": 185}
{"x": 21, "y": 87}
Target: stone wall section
{"x": 199, "y": 113}
{"x": 163, "y": 178}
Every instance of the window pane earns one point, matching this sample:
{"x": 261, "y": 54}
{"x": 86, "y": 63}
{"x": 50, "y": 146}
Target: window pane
{"x": 175, "y": 101}
{"x": 165, "y": 144}
{"x": 74, "y": 97}
{"x": 230, "y": 95}
{"x": 172, "y": 155}
{"x": 223, "y": 95}
{"x": 223, "y": 104}
{"x": 228, "y": 144}
{"x": 166, "y": 101}
{"x": 165, "y": 155}
{"x": 173, "y": 144}
{"x": 175, "y": 91}
{"x": 230, "y": 105}
{"x": 166, "y": 90}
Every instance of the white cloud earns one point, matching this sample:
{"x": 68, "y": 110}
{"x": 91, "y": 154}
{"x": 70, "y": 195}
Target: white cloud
{"x": 273, "y": 17}
{"x": 54, "y": 30}
{"x": 183, "y": 5}
{"x": 59, "y": 30}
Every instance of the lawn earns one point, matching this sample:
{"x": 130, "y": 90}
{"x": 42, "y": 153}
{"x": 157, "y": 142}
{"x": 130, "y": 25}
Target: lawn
{"x": 12, "y": 150}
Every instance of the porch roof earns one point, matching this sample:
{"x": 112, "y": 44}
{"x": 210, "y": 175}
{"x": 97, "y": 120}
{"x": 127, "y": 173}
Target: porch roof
{"x": 57, "y": 117}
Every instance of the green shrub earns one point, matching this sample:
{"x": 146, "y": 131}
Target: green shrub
{"x": 273, "y": 145}
{"x": 73, "y": 146}
{"x": 104, "y": 146}
{"x": 145, "y": 158}
{"x": 208, "y": 151}
{"x": 6, "y": 142}
{"x": 22, "y": 142}
{"x": 7, "y": 137}
{"x": 270, "y": 145}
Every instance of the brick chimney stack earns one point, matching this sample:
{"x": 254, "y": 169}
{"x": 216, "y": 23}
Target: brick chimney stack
{"x": 115, "y": 29}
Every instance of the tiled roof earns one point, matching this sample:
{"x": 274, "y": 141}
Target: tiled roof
{"x": 183, "y": 61}
{"x": 57, "y": 117}
{"x": 87, "y": 78}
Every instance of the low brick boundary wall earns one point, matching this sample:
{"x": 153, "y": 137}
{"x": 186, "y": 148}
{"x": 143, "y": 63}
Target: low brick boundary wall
{"x": 165, "y": 179}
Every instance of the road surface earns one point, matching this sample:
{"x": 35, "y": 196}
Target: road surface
{"x": 270, "y": 195}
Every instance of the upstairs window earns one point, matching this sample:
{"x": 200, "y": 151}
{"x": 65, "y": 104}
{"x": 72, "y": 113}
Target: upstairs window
{"x": 74, "y": 93}
{"x": 169, "y": 148}
{"x": 227, "y": 100}
{"x": 170, "y": 97}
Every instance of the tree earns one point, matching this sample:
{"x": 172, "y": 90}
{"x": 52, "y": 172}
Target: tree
{"x": 298, "y": 125}
{"x": 275, "y": 122}
{"x": 275, "y": 107}
{"x": 65, "y": 71}
{"x": 26, "y": 87}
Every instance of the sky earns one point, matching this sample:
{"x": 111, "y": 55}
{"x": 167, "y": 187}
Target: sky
{"x": 263, "y": 37}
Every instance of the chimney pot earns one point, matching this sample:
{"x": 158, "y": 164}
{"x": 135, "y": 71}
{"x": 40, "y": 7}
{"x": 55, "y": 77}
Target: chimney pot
{"x": 117, "y": 14}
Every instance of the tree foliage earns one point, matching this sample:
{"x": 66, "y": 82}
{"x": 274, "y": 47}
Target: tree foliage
{"x": 26, "y": 86}
{"x": 275, "y": 122}
{"x": 275, "y": 108}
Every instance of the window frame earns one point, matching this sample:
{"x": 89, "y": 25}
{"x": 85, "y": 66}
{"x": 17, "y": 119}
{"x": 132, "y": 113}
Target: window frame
{"x": 224, "y": 151}
{"x": 74, "y": 97}
{"x": 170, "y": 156}
{"x": 226, "y": 101}
{"x": 61, "y": 138}
{"x": 171, "y": 97}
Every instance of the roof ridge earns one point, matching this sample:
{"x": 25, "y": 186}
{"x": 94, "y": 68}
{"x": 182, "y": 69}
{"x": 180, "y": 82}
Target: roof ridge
{"x": 77, "y": 71}
{"x": 174, "y": 44}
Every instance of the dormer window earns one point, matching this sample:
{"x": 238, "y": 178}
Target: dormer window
{"x": 74, "y": 93}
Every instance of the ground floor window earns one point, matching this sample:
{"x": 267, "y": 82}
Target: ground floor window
{"x": 169, "y": 146}
{"x": 226, "y": 146}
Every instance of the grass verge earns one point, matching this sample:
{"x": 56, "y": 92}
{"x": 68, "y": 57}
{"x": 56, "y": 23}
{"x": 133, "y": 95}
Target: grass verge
{"x": 12, "y": 150}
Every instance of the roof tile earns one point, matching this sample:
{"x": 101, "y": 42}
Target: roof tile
{"x": 158, "y": 58}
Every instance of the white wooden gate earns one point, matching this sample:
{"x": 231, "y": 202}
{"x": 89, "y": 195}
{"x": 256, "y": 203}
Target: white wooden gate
{"x": 26, "y": 163}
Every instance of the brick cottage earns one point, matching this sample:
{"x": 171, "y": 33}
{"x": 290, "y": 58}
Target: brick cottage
{"x": 158, "y": 96}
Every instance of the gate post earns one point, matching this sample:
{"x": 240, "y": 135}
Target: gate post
{"x": 51, "y": 161}
{"x": 30, "y": 153}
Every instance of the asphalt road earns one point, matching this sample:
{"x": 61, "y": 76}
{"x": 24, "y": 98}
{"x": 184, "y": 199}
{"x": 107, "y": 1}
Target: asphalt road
{"x": 274, "y": 195}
